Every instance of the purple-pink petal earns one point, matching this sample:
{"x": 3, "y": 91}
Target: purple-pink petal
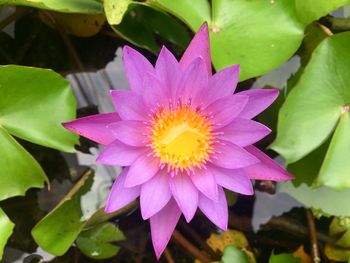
{"x": 215, "y": 211}
{"x": 243, "y": 132}
{"x": 267, "y": 169}
{"x": 129, "y": 132}
{"x": 221, "y": 84}
{"x": 204, "y": 181}
{"x": 199, "y": 47}
{"x": 193, "y": 81}
{"x": 142, "y": 170}
{"x": 119, "y": 195}
{"x": 259, "y": 100}
{"x": 224, "y": 110}
{"x": 136, "y": 66}
{"x": 168, "y": 71}
{"x": 155, "y": 93}
{"x": 230, "y": 156}
{"x": 155, "y": 194}
{"x": 233, "y": 179}
{"x": 94, "y": 127}
{"x": 185, "y": 194}
{"x": 118, "y": 153}
{"x": 129, "y": 105}
{"x": 162, "y": 226}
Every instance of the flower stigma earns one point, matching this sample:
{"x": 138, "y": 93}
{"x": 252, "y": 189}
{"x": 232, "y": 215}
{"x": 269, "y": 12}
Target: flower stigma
{"x": 181, "y": 138}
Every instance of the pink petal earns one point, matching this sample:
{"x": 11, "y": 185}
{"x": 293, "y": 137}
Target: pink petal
{"x": 119, "y": 195}
{"x": 155, "y": 194}
{"x": 185, "y": 194}
{"x": 136, "y": 65}
{"x": 215, "y": 211}
{"x": 162, "y": 226}
{"x": 94, "y": 127}
{"x": 243, "y": 132}
{"x": 204, "y": 181}
{"x": 142, "y": 170}
{"x": 267, "y": 169}
{"x": 168, "y": 70}
{"x": 193, "y": 82}
{"x": 259, "y": 100}
{"x": 155, "y": 93}
{"x": 129, "y": 132}
{"x": 233, "y": 179}
{"x": 231, "y": 156}
{"x": 199, "y": 47}
{"x": 129, "y": 105}
{"x": 222, "y": 84}
{"x": 224, "y": 110}
{"x": 118, "y": 153}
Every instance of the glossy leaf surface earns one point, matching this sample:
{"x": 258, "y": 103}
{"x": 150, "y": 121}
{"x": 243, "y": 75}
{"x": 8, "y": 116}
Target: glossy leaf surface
{"x": 95, "y": 242}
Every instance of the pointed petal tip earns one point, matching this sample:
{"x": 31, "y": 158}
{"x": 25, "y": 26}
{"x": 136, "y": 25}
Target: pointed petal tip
{"x": 167, "y": 54}
{"x": 287, "y": 177}
{"x": 249, "y": 191}
{"x": 112, "y": 91}
{"x": 267, "y": 169}
{"x": 127, "y": 49}
{"x": 107, "y": 209}
{"x": 162, "y": 226}
{"x": 158, "y": 254}
{"x": 199, "y": 47}
{"x": 204, "y": 27}
{"x": 67, "y": 125}
{"x": 274, "y": 92}
{"x": 259, "y": 100}
{"x": 188, "y": 218}
{"x": 223, "y": 226}
{"x": 159, "y": 249}
{"x": 144, "y": 215}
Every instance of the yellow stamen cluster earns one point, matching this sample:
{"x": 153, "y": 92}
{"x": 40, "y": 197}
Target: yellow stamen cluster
{"x": 181, "y": 138}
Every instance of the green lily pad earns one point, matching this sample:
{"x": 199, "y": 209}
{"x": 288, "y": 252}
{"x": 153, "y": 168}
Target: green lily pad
{"x": 96, "y": 241}
{"x": 144, "y": 27}
{"x": 283, "y": 258}
{"x": 310, "y": 10}
{"x": 67, "y": 6}
{"x": 335, "y": 169}
{"x": 57, "y": 231}
{"x": 238, "y": 31}
{"x": 19, "y": 170}
{"x": 313, "y": 109}
{"x": 192, "y": 12}
{"x": 307, "y": 169}
{"x": 323, "y": 198}
{"x": 233, "y": 254}
{"x": 115, "y": 10}
{"x": 6, "y": 228}
{"x": 341, "y": 225}
{"x": 33, "y": 104}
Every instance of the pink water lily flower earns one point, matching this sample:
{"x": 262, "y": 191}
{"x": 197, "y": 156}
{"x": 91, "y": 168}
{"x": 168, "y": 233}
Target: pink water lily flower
{"x": 182, "y": 136}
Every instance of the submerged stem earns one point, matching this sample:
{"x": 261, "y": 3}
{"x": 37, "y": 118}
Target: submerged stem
{"x": 313, "y": 237}
{"x": 194, "y": 251}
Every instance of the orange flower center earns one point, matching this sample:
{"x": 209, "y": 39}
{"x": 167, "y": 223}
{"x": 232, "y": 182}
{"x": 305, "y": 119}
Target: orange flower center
{"x": 181, "y": 138}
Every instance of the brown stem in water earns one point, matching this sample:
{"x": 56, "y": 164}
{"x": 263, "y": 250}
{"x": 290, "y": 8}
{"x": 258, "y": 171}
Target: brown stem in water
{"x": 200, "y": 241}
{"x": 169, "y": 258}
{"x": 313, "y": 237}
{"x": 187, "y": 245}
